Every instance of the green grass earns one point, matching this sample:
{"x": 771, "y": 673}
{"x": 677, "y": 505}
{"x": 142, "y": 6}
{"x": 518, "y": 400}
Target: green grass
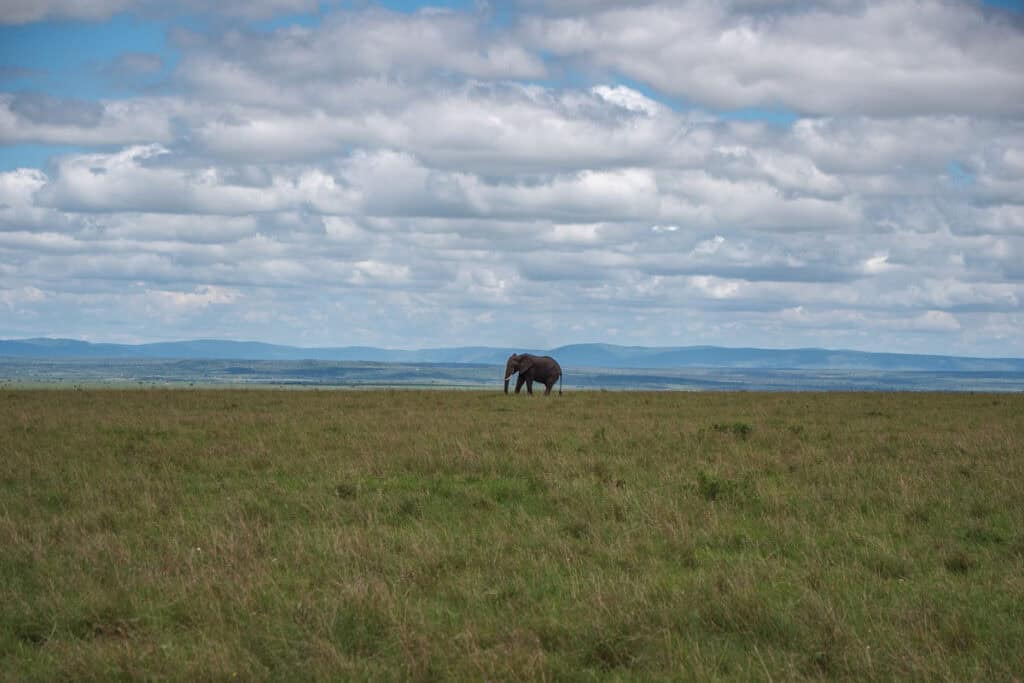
{"x": 401, "y": 535}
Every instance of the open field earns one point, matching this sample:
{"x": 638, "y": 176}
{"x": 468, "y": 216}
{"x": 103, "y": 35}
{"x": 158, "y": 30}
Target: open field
{"x": 424, "y": 535}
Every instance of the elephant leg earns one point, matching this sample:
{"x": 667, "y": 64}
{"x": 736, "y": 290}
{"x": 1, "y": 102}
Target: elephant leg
{"x": 519, "y": 383}
{"x": 547, "y": 389}
{"x": 529, "y": 386}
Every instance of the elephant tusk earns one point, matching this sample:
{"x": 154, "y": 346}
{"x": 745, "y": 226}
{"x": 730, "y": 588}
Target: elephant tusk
{"x": 509, "y": 377}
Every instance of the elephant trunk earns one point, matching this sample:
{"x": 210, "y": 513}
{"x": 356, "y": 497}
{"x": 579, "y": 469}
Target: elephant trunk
{"x": 509, "y": 371}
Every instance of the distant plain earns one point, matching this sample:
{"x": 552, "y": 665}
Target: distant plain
{"x": 151, "y": 372}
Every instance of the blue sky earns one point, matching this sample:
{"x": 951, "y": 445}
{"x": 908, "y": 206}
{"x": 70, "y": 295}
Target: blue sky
{"x": 72, "y": 58}
{"x": 411, "y": 174}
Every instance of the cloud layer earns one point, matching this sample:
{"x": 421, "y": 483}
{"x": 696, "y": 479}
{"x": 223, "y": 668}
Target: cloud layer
{"x": 668, "y": 173}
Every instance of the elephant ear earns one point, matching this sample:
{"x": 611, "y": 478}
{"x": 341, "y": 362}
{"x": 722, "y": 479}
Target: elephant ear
{"x": 525, "y": 363}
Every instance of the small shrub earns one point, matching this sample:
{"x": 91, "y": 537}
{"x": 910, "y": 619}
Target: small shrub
{"x": 740, "y": 430}
{"x": 617, "y": 650}
{"x": 984, "y": 536}
{"x": 578, "y": 530}
{"x": 359, "y": 630}
{"x": 711, "y": 487}
{"x": 601, "y": 470}
{"x": 959, "y": 563}
{"x": 31, "y": 630}
{"x": 920, "y": 514}
{"x": 410, "y": 508}
{"x": 888, "y": 566}
{"x": 345, "y": 491}
{"x": 956, "y": 634}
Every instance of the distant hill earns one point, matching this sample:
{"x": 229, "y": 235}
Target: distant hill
{"x": 215, "y": 349}
{"x": 611, "y": 356}
{"x": 575, "y": 355}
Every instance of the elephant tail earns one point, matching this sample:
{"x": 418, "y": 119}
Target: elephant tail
{"x": 559, "y": 383}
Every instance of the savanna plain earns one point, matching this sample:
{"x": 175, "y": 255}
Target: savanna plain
{"x": 431, "y": 535}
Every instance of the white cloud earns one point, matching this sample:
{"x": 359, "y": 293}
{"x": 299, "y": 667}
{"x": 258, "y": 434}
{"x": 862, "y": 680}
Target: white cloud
{"x": 896, "y": 57}
{"x": 709, "y": 247}
{"x": 627, "y": 98}
{"x": 343, "y": 229}
{"x": 156, "y": 228}
{"x": 27, "y": 118}
{"x": 488, "y": 128}
{"x": 201, "y": 297}
{"x": 18, "y": 187}
{"x": 953, "y": 293}
{"x": 26, "y": 11}
{"x": 12, "y": 298}
{"x": 931, "y": 321}
{"x": 575, "y": 233}
{"x": 146, "y": 179}
{"x": 939, "y": 321}
{"x": 878, "y": 263}
{"x": 701, "y": 199}
{"x": 253, "y": 67}
{"x": 716, "y": 288}
{"x": 379, "y": 273}
{"x": 792, "y": 173}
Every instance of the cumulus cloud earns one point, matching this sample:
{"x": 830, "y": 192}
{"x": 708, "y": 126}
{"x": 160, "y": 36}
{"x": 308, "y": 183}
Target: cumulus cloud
{"x": 137, "y": 179}
{"x": 250, "y": 66}
{"x": 17, "y": 187}
{"x": 25, "y": 11}
{"x": 44, "y": 118}
{"x": 12, "y": 298}
{"x": 705, "y": 200}
{"x": 934, "y": 320}
{"x": 891, "y": 58}
{"x": 183, "y": 302}
{"x": 44, "y": 109}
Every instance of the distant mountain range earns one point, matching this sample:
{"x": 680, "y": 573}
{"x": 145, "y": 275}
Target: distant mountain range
{"x": 575, "y": 355}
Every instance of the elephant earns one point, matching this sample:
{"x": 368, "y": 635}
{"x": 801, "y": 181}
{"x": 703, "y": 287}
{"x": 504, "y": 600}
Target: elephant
{"x": 544, "y": 369}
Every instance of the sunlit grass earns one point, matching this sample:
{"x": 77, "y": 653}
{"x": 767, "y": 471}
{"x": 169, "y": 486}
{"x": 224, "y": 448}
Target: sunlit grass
{"x": 470, "y": 535}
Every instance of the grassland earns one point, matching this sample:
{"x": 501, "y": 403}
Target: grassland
{"x": 408, "y": 535}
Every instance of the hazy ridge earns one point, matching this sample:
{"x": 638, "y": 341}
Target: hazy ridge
{"x": 574, "y": 355}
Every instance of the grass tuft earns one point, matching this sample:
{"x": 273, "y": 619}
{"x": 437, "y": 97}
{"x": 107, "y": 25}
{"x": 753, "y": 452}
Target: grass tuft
{"x": 960, "y": 563}
{"x": 712, "y": 487}
{"x": 741, "y": 430}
